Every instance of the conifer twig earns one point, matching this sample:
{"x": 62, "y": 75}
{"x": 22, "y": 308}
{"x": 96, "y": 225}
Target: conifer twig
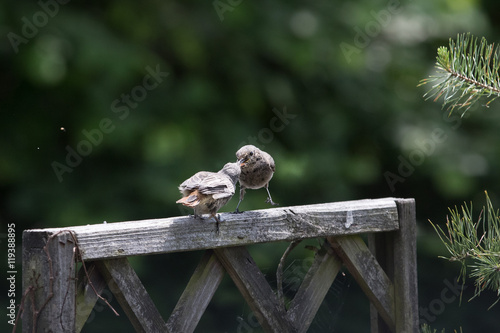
{"x": 476, "y": 250}
{"x": 467, "y": 70}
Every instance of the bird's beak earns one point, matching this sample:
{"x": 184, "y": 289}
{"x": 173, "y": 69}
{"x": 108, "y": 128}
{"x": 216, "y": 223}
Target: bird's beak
{"x": 242, "y": 161}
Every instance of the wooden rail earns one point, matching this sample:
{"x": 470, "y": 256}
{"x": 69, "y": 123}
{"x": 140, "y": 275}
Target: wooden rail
{"x": 385, "y": 269}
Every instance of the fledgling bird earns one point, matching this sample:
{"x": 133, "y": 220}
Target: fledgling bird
{"x": 257, "y": 169}
{"x": 206, "y": 192}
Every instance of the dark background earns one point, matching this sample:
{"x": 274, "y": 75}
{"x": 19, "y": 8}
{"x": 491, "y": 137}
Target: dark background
{"x": 345, "y": 73}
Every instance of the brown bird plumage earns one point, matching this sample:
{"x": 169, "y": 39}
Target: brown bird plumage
{"x": 257, "y": 169}
{"x": 206, "y": 192}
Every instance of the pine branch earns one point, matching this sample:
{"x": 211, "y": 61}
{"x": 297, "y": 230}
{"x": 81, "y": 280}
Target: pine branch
{"x": 466, "y": 71}
{"x": 479, "y": 253}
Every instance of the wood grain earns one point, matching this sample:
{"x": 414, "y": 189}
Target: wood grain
{"x": 121, "y": 239}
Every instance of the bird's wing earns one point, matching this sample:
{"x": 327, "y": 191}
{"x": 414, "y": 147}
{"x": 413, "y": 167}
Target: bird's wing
{"x": 219, "y": 186}
{"x": 269, "y": 159}
{"x": 193, "y": 183}
{"x": 209, "y": 183}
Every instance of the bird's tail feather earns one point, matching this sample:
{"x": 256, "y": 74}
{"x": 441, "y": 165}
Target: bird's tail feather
{"x": 191, "y": 200}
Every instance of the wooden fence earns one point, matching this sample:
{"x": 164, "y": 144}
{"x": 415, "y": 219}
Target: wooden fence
{"x": 60, "y": 299}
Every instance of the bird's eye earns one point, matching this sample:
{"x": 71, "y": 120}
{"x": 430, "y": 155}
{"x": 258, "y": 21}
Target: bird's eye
{"x": 251, "y": 153}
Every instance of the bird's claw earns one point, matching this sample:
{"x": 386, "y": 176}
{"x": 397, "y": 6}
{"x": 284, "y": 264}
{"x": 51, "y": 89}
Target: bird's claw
{"x": 270, "y": 201}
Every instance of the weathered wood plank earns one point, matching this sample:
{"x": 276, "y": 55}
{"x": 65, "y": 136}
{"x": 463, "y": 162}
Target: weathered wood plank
{"x": 255, "y": 289}
{"x": 111, "y": 240}
{"x": 367, "y": 272}
{"x": 405, "y": 268}
{"x": 198, "y": 293}
{"x": 131, "y": 295}
{"x": 51, "y": 280}
{"x": 86, "y": 297}
{"x": 314, "y": 288}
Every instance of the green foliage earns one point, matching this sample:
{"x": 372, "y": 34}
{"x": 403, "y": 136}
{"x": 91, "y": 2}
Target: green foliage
{"x": 466, "y": 72}
{"x": 427, "y": 329}
{"x": 476, "y": 245}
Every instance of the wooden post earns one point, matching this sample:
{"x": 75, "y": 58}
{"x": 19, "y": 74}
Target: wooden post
{"x": 48, "y": 281}
{"x": 396, "y": 252}
{"x": 405, "y": 268}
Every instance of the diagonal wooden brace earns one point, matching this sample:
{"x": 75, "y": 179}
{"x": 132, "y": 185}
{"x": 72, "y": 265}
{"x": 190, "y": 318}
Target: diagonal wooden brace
{"x": 131, "y": 295}
{"x": 314, "y": 288}
{"x": 255, "y": 289}
{"x": 198, "y": 293}
{"x": 367, "y": 272}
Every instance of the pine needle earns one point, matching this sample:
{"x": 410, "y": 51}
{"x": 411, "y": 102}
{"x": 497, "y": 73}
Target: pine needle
{"x": 477, "y": 250}
{"x": 467, "y": 71}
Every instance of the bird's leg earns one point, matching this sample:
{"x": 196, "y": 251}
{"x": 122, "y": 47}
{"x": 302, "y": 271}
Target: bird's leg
{"x": 217, "y": 221}
{"x": 269, "y": 199}
{"x": 197, "y": 216}
{"x": 242, "y": 195}
{"x": 237, "y": 211}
